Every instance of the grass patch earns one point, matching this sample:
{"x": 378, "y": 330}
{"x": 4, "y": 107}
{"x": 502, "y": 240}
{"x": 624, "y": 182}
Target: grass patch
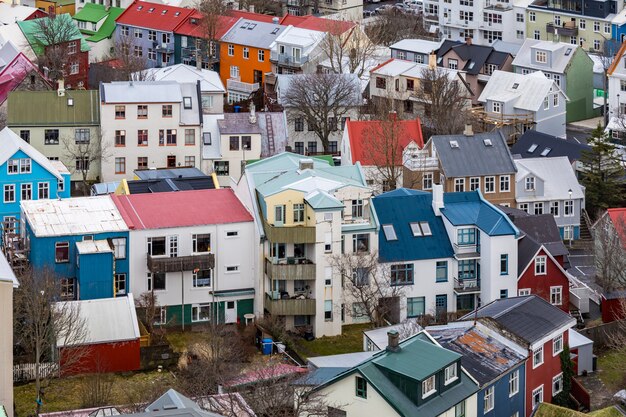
{"x": 550, "y": 410}
{"x": 606, "y": 412}
{"x": 65, "y": 393}
{"x": 612, "y": 368}
{"x": 351, "y": 340}
{"x": 181, "y": 341}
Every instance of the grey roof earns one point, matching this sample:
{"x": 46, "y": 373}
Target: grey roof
{"x": 253, "y": 33}
{"x": 525, "y": 146}
{"x": 344, "y": 360}
{"x": 530, "y": 318}
{"x": 172, "y": 399}
{"x": 476, "y": 56}
{"x": 6, "y": 272}
{"x": 160, "y": 185}
{"x": 557, "y": 64}
{"x": 238, "y": 123}
{"x": 509, "y": 47}
{"x": 472, "y": 157}
{"x": 149, "y": 174}
{"x": 141, "y": 92}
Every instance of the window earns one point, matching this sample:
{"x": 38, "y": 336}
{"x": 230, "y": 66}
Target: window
{"x": 537, "y": 396}
{"x": 152, "y": 35}
{"x": 488, "y": 403}
{"x": 441, "y": 271}
{"x": 568, "y": 208}
{"x": 201, "y": 312}
{"x": 557, "y": 384}
{"x": 360, "y": 242}
{"x": 170, "y": 136}
{"x": 25, "y": 135}
{"x": 496, "y": 107}
{"x": 513, "y": 383}
{"x": 381, "y": 83}
{"x": 467, "y": 16}
{"x": 450, "y": 374}
{"x": 466, "y": 236}
{"x": 187, "y": 103}
{"x": 246, "y": 143}
{"x": 538, "y": 208}
{"x": 357, "y": 208}
{"x": 538, "y": 357}
{"x": 557, "y": 20}
{"x": 459, "y": 185}
{"x": 202, "y": 278}
{"x": 596, "y": 26}
{"x": 529, "y": 183}
{"x": 328, "y": 310}
{"x": 504, "y": 264}
{"x": 519, "y": 17}
{"x": 415, "y": 306}
{"x": 261, "y": 55}
{"x": 26, "y": 192}
{"x": 201, "y": 243}
{"x": 532, "y": 16}
{"x": 505, "y": 183}
{"x": 67, "y": 288}
{"x": 74, "y": 68}
{"x": 459, "y": 409}
{"x": 221, "y": 168}
{"x": 120, "y": 284}
{"x": 119, "y": 247}
{"x": 43, "y": 190}
{"x": 546, "y": 102}
{"x": 142, "y": 162}
{"x": 402, "y": 274}
{"x": 231, "y": 50}
{"x": 556, "y": 295}
{"x": 541, "y": 56}
{"x": 360, "y": 277}
{"x": 536, "y": 36}
{"x": 190, "y": 137}
{"x": 62, "y": 252}
{"x": 361, "y": 387}
{"x": 453, "y": 63}
{"x": 120, "y": 138}
{"x": 151, "y": 54}
{"x": 523, "y": 207}
{"x": 246, "y": 52}
{"x": 427, "y": 181}
{"x": 82, "y": 164}
{"x": 298, "y": 124}
{"x": 156, "y": 246}
{"x": 540, "y": 265}
{"x": 156, "y": 281}
{"x": 607, "y": 28}
{"x": 51, "y": 137}
{"x": 13, "y": 166}
{"x": 467, "y": 269}
{"x": 582, "y": 24}
{"x": 81, "y": 135}
{"x": 120, "y": 165}
{"x": 490, "y": 184}
{"x": 523, "y": 291}
{"x": 25, "y": 166}
{"x": 138, "y": 51}
{"x": 390, "y": 232}
{"x": 428, "y": 386}
{"x": 504, "y": 293}
{"x": 279, "y": 214}
{"x": 120, "y": 112}
{"x": 554, "y": 208}
{"x": 234, "y": 143}
{"x": 166, "y": 110}
{"x": 9, "y": 193}
{"x": 474, "y": 183}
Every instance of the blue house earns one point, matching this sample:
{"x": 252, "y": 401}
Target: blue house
{"x": 494, "y": 361}
{"x": 26, "y": 174}
{"x": 83, "y": 241}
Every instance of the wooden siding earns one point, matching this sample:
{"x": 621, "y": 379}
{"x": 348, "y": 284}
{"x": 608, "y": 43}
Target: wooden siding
{"x": 289, "y": 271}
{"x": 181, "y": 263}
{"x": 291, "y": 307}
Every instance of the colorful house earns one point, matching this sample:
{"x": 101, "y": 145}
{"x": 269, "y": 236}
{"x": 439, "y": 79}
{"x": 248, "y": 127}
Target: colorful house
{"x": 83, "y": 241}
{"x": 26, "y": 174}
{"x": 97, "y": 23}
{"x": 57, "y": 7}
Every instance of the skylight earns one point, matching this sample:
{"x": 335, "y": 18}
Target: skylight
{"x": 139, "y": 7}
{"x": 245, "y": 25}
{"x": 275, "y": 31}
{"x": 471, "y": 65}
{"x": 426, "y": 229}
{"x": 454, "y": 144}
{"x": 568, "y": 51}
{"x": 151, "y": 9}
{"x": 515, "y": 85}
{"x": 252, "y": 26}
{"x": 163, "y": 12}
{"x": 177, "y": 14}
{"x": 487, "y": 142}
{"x": 546, "y": 151}
{"x": 390, "y": 232}
{"x": 533, "y": 148}
{"x": 415, "y": 228}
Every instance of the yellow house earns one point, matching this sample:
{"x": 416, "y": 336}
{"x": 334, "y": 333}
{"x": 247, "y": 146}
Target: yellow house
{"x": 58, "y": 6}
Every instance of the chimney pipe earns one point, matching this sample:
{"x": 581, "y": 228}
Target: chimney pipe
{"x": 468, "y": 40}
{"x": 251, "y": 8}
{"x": 198, "y": 55}
{"x": 393, "y": 341}
{"x": 432, "y": 60}
{"x": 469, "y": 131}
{"x": 437, "y": 198}
{"x": 252, "y": 114}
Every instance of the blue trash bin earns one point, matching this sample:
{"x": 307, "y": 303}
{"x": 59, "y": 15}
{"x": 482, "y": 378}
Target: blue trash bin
{"x": 237, "y": 109}
{"x": 267, "y": 346}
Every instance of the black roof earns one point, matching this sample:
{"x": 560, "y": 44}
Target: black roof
{"x": 475, "y": 55}
{"x": 170, "y": 184}
{"x": 558, "y": 146}
{"x": 530, "y": 318}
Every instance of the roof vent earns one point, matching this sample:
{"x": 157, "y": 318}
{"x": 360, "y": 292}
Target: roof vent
{"x": 306, "y": 164}
{"x": 454, "y": 144}
{"x": 193, "y": 21}
{"x": 393, "y": 341}
{"x": 487, "y": 142}
{"x": 275, "y": 20}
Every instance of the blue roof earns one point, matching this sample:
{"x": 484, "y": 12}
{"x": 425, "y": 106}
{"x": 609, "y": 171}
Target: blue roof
{"x": 470, "y": 208}
{"x": 400, "y": 208}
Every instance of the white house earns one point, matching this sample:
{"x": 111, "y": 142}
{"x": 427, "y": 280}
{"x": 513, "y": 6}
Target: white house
{"x": 149, "y": 124}
{"x": 296, "y": 50}
{"x": 195, "y": 250}
{"x": 616, "y": 74}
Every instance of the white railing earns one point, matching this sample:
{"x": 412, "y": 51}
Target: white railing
{"x": 26, "y": 371}
{"x": 236, "y": 85}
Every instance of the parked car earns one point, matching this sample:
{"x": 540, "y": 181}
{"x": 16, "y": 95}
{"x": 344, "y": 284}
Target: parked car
{"x": 368, "y": 13}
{"x": 384, "y": 8}
{"x": 401, "y": 6}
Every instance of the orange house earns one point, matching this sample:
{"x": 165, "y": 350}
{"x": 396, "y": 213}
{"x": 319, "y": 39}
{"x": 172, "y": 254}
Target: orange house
{"x": 245, "y": 56}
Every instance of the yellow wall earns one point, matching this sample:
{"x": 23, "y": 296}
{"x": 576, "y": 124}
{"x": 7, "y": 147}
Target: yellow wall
{"x": 58, "y": 9}
{"x": 289, "y": 198}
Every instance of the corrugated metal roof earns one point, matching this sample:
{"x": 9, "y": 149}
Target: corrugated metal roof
{"x": 558, "y": 147}
{"x": 73, "y": 216}
{"x": 345, "y": 360}
{"x": 10, "y": 143}
{"x": 560, "y": 58}
{"x": 6, "y": 272}
{"x": 46, "y": 108}
{"x": 526, "y": 90}
{"x": 558, "y": 178}
{"x": 141, "y": 92}
{"x": 400, "y": 208}
{"x": 209, "y": 80}
{"x": 106, "y": 320}
{"x": 470, "y": 208}
{"x": 239, "y": 123}
{"x": 472, "y": 157}
{"x": 93, "y": 246}
{"x": 417, "y": 45}
{"x": 253, "y": 33}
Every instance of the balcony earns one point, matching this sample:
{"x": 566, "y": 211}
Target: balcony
{"x": 181, "y": 263}
{"x": 568, "y": 29}
{"x": 163, "y": 47}
{"x": 466, "y": 251}
{"x": 288, "y": 60}
{"x": 236, "y": 85}
{"x": 292, "y": 234}
{"x": 289, "y": 306}
{"x": 290, "y": 269}
{"x": 466, "y": 286}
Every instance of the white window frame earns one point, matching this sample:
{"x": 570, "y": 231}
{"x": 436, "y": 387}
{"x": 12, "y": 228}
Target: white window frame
{"x": 557, "y": 293}
{"x": 490, "y": 185}
{"x": 513, "y": 383}
{"x": 459, "y": 184}
{"x": 558, "y": 377}
{"x": 426, "y": 383}
{"x": 557, "y": 345}
{"x": 450, "y": 374}
{"x": 523, "y": 291}
{"x": 505, "y": 180}
{"x": 541, "y": 267}
{"x": 538, "y": 363}
{"x": 538, "y": 390}
{"x": 489, "y": 402}
{"x": 5, "y": 193}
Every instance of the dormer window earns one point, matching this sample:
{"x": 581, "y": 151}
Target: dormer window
{"x": 541, "y": 56}
{"x": 428, "y": 387}
{"x": 450, "y": 374}
{"x": 529, "y": 184}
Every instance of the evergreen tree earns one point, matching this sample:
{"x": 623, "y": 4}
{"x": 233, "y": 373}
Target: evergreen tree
{"x": 603, "y": 177}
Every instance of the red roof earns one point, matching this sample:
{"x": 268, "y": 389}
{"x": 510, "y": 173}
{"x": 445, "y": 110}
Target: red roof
{"x": 14, "y": 73}
{"x": 154, "y": 16}
{"x": 181, "y": 209}
{"x": 367, "y": 136}
{"x": 618, "y": 217}
{"x": 318, "y": 23}
{"x": 197, "y": 29}
{"x": 258, "y": 17}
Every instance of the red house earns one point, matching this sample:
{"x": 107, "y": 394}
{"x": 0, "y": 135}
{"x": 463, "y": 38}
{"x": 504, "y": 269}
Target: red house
{"x": 544, "y": 276}
{"x": 111, "y": 339}
{"x": 541, "y": 328}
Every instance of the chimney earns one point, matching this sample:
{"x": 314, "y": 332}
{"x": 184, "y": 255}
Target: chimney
{"x": 468, "y": 41}
{"x": 437, "y": 199}
{"x": 251, "y": 8}
{"x": 306, "y": 163}
{"x": 275, "y": 20}
{"x": 393, "y": 341}
{"x": 198, "y": 55}
{"x": 252, "y": 114}
{"x": 468, "y": 130}
{"x": 60, "y": 87}
{"x": 432, "y": 60}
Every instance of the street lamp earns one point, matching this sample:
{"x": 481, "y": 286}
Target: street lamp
{"x": 571, "y": 232}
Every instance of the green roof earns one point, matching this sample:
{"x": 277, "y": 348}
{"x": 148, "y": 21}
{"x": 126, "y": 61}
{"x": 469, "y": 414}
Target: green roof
{"x": 322, "y": 200}
{"x": 94, "y": 13}
{"x": 30, "y": 29}
{"x": 46, "y": 108}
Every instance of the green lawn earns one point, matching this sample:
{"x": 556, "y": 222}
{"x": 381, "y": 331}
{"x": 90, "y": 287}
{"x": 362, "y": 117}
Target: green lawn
{"x": 612, "y": 368}
{"x": 550, "y": 410}
{"x": 606, "y": 412}
{"x": 351, "y": 340}
{"x": 67, "y": 393}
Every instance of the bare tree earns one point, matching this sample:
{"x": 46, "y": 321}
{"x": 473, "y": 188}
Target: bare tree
{"x": 609, "y": 253}
{"x": 270, "y": 7}
{"x": 40, "y": 325}
{"x": 212, "y": 12}
{"x": 82, "y": 152}
{"x": 371, "y": 290}
{"x": 148, "y": 306}
{"x": 51, "y": 37}
{"x": 446, "y": 101}
{"x": 348, "y": 50}
{"x": 394, "y": 25}
{"x": 322, "y": 100}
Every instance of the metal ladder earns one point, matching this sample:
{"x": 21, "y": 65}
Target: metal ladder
{"x": 270, "y": 134}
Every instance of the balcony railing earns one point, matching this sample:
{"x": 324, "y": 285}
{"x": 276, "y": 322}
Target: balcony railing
{"x": 466, "y": 251}
{"x": 291, "y": 234}
{"x": 565, "y": 30}
{"x": 290, "y": 60}
{"x": 181, "y": 263}
{"x": 290, "y": 269}
{"x": 290, "y": 307}
{"x": 236, "y": 85}
{"x": 466, "y": 286}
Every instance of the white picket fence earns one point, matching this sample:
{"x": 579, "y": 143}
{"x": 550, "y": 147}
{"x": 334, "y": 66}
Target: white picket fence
{"x": 26, "y": 371}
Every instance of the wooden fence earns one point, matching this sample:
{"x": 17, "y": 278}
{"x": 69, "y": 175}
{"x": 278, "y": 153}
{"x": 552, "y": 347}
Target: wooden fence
{"x": 25, "y": 372}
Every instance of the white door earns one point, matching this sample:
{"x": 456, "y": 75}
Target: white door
{"x": 230, "y": 315}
